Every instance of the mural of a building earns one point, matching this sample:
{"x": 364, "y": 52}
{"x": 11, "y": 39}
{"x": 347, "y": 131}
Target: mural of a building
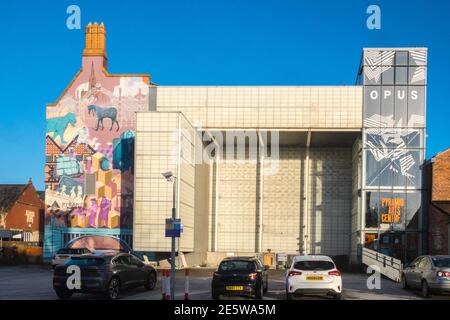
{"x": 89, "y": 149}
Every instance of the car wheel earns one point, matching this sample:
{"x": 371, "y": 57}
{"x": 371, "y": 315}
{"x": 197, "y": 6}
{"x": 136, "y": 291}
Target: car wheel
{"x": 260, "y": 292}
{"x": 266, "y": 288}
{"x": 404, "y": 282}
{"x": 425, "y": 290}
{"x": 214, "y": 295}
{"x": 150, "y": 283}
{"x": 64, "y": 293}
{"x": 289, "y": 296}
{"x": 338, "y": 296}
{"x": 112, "y": 293}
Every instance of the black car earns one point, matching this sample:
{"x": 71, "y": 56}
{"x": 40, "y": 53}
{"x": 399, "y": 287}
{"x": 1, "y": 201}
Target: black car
{"x": 103, "y": 272}
{"x": 240, "y": 276}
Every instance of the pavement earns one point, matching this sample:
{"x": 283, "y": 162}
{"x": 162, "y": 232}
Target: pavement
{"x": 34, "y": 282}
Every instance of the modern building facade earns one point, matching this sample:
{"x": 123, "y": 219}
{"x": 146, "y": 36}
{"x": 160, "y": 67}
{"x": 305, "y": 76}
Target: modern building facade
{"x": 278, "y": 169}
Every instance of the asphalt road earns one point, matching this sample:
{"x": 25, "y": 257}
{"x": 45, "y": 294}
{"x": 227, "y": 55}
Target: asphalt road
{"x": 33, "y": 282}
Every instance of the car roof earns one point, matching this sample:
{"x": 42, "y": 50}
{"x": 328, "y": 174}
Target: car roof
{"x": 312, "y": 258}
{"x": 240, "y": 258}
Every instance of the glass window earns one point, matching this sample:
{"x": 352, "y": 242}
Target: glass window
{"x": 372, "y": 75}
{"x": 414, "y": 138}
{"x": 372, "y": 209}
{"x": 416, "y": 106}
{"x": 388, "y": 75}
{"x": 372, "y": 168}
{"x": 401, "y": 58}
{"x": 418, "y": 58}
{"x": 413, "y": 207}
{"x": 401, "y": 107}
{"x": 314, "y": 265}
{"x": 386, "y": 169}
{"x": 411, "y": 166}
{"x": 237, "y": 265}
{"x": 441, "y": 262}
{"x": 392, "y": 208}
{"x": 372, "y": 107}
{"x": 401, "y": 75}
{"x": 417, "y": 75}
{"x": 387, "y": 102}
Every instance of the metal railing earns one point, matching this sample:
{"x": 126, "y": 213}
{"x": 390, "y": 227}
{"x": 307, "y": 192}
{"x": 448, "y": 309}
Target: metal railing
{"x": 389, "y": 266}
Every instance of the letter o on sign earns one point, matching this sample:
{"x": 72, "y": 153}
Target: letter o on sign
{"x": 374, "y": 95}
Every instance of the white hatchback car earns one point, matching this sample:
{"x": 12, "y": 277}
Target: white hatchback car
{"x": 313, "y": 275}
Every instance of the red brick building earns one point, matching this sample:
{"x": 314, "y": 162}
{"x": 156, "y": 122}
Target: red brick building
{"x": 21, "y": 211}
{"x": 437, "y": 179}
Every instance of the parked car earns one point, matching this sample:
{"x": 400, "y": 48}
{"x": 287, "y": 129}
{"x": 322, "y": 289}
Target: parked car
{"x": 104, "y": 272}
{"x": 429, "y": 274}
{"x": 64, "y": 254}
{"x": 313, "y": 275}
{"x": 240, "y": 276}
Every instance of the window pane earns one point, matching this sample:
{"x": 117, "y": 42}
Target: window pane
{"x": 401, "y": 109}
{"x": 387, "y": 102}
{"x": 416, "y": 106}
{"x": 417, "y": 75}
{"x": 388, "y": 75}
{"x": 401, "y": 58}
{"x": 412, "y": 210}
{"x": 401, "y": 75}
{"x": 372, "y": 169}
{"x": 372, "y": 209}
{"x": 372, "y": 107}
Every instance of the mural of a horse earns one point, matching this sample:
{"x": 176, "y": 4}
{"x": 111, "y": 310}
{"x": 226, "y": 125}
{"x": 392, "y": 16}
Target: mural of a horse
{"x": 59, "y": 125}
{"x": 102, "y": 113}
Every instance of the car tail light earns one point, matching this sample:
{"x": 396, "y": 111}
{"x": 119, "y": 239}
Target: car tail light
{"x": 443, "y": 274}
{"x": 294, "y": 273}
{"x": 336, "y": 273}
{"x": 252, "y": 276}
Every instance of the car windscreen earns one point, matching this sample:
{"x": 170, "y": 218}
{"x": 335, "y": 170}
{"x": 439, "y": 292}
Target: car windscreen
{"x": 86, "y": 261}
{"x": 441, "y": 262}
{"x": 237, "y": 266}
{"x": 314, "y": 265}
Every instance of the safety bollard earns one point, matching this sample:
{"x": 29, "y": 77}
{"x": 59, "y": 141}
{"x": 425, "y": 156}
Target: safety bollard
{"x": 186, "y": 284}
{"x": 163, "y": 284}
{"x": 167, "y": 284}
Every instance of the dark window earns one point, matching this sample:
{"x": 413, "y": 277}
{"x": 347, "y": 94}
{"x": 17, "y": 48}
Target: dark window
{"x": 314, "y": 265}
{"x": 441, "y": 262}
{"x": 237, "y": 265}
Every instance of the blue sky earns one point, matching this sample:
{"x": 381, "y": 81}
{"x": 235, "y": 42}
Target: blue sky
{"x": 223, "y": 42}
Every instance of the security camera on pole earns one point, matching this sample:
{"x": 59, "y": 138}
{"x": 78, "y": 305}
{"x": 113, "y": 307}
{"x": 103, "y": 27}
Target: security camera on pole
{"x": 173, "y": 230}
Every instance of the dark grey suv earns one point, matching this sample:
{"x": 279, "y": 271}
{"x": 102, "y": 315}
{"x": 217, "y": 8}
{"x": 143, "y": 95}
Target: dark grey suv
{"x": 103, "y": 272}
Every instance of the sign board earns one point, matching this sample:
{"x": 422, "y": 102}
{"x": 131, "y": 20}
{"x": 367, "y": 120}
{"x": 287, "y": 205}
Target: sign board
{"x": 282, "y": 257}
{"x": 174, "y": 228}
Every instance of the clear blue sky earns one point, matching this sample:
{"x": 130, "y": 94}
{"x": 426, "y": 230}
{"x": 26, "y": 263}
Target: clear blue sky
{"x": 204, "y": 42}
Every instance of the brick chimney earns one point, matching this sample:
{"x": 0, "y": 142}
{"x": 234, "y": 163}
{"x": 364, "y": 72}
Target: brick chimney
{"x": 95, "y": 42}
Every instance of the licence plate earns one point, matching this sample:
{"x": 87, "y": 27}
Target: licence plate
{"x": 314, "y": 278}
{"x": 234, "y": 288}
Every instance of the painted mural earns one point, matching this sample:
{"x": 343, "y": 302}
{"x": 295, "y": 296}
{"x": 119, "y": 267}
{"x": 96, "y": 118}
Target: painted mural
{"x": 90, "y": 148}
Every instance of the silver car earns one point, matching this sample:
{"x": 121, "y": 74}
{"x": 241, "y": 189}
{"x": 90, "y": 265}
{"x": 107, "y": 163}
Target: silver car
{"x": 429, "y": 274}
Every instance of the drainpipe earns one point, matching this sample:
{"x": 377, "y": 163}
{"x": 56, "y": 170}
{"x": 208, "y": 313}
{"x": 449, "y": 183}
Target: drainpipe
{"x": 305, "y": 227}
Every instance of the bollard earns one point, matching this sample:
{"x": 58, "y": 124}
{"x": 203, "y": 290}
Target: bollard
{"x": 163, "y": 284}
{"x": 167, "y": 280}
{"x": 186, "y": 284}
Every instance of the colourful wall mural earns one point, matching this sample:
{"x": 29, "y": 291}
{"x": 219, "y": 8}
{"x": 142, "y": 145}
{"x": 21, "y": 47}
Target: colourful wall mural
{"x": 90, "y": 145}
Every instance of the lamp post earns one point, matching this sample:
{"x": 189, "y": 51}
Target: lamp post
{"x": 171, "y": 178}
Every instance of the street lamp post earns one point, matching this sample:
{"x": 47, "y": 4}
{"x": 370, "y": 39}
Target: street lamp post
{"x": 170, "y": 177}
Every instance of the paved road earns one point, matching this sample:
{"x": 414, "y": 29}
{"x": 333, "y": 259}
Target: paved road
{"x": 35, "y": 282}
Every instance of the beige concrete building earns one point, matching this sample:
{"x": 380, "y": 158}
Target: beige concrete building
{"x": 298, "y": 185}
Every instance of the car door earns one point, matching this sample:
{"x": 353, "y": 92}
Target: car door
{"x": 123, "y": 269}
{"x": 140, "y": 273}
{"x": 412, "y": 273}
{"x": 425, "y": 269}
{"x": 264, "y": 273}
